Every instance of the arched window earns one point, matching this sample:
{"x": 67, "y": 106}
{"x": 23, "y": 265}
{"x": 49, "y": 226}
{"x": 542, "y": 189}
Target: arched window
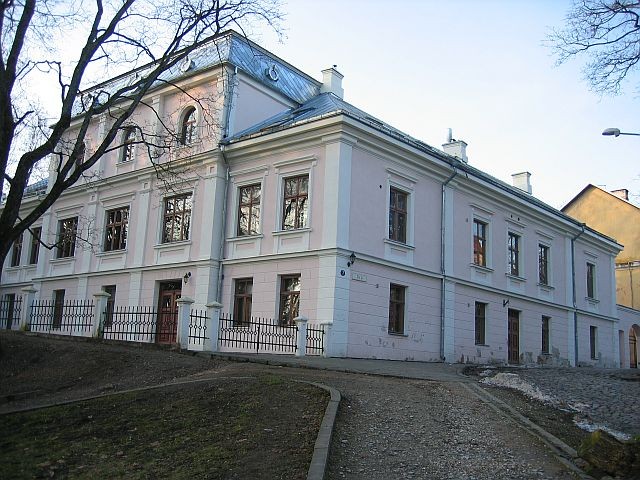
{"x": 128, "y": 143}
{"x": 188, "y": 127}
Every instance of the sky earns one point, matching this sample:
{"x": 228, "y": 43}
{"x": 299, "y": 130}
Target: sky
{"x": 480, "y": 68}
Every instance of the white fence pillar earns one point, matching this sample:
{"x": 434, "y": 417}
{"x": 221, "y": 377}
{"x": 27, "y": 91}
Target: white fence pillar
{"x": 28, "y": 296}
{"x": 184, "y": 314}
{"x": 301, "y": 322}
{"x": 99, "y": 307}
{"x": 327, "y": 338}
{"x": 213, "y": 327}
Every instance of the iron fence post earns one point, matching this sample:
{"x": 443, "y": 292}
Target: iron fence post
{"x": 28, "y": 297}
{"x": 184, "y": 314}
{"x": 301, "y": 323}
{"x": 99, "y": 307}
{"x": 213, "y": 327}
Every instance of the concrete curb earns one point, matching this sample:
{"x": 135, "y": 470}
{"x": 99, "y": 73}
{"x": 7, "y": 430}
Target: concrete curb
{"x": 563, "y": 452}
{"x": 318, "y": 466}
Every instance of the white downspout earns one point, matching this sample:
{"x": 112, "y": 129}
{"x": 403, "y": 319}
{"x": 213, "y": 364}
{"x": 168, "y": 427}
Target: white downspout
{"x": 442, "y": 263}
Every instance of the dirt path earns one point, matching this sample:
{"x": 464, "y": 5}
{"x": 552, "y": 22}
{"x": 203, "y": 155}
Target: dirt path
{"x": 386, "y": 428}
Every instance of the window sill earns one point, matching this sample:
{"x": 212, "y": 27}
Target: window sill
{"x": 178, "y": 243}
{"x": 592, "y": 301}
{"x": 397, "y": 244}
{"x": 482, "y": 345}
{"x": 63, "y": 260}
{"x": 291, "y": 232}
{"x": 515, "y": 277}
{"x": 110, "y": 253}
{"x": 544, "y": 286}
{"x": 397, "y": 334}
{"x": 240, "y": 238}
{"x": 481, "y": 268}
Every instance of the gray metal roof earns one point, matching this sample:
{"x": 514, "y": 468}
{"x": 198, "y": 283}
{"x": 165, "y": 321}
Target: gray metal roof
{"x": 230, "y": 48}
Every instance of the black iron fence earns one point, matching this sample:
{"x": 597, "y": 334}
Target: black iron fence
{"x": 315, "y": 339}
{"x": 198, "y": 327}
{"x": 10, "y": 310}
{"x": 264, "y": 335}
{"x": 130, "y": 324}
{"x": 68, "y": 318}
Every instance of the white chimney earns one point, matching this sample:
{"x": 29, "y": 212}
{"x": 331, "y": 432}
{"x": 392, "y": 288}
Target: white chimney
{"x": 622, "y": 193}
{"x": 522, "y": 181}
{"x": 456, "y": 148}
{"x": 332, "y": 82}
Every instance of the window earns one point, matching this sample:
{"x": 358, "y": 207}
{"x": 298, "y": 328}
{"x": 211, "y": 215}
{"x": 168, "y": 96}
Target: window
{"x": 67, "y": 230}
{"x": 289, "y": 299}
{"x": 78, "y": 157}
{"x": 116, "y": 229}
{"x": 479, "y": 243}
{"x": 242, "y": 301}
{"x": 480, "y": 323}
{"x": 249, "y": 210}
{"x": 36, "y": 232}
{"x": 111, "y": 301}
{"x": 593, "y": 342}
{"x": 543, "y": 264}
{"x": 128, "y": 144}
{"x": 295, "y": 202}
{"x": 16, "y": 251}
{"x": 188, "y": 126}
{"x": 514, "y": 254}
{"x": 177, "y": 218}
{"x": 591, "y": 280}
{"x": 58, "y": 307}
{"x": 545, "y": 334}
{"x": 398, "y": 215}
{"x": 396, "y": 308}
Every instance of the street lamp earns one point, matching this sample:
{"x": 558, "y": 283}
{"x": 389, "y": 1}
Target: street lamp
{"x": 615, "y": 132}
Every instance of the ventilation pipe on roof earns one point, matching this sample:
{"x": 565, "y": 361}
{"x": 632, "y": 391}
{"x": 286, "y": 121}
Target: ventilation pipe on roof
{"x": 332, "y": 82}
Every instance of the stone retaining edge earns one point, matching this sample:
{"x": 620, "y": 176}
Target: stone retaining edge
{"x": 318, "y": 466}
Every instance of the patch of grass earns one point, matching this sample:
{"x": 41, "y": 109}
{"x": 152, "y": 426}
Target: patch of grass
{"x": 220, "y": 429}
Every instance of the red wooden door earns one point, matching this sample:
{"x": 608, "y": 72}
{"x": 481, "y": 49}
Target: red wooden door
{"x": 514, "y": 336}
{"x": 168, "y": 312}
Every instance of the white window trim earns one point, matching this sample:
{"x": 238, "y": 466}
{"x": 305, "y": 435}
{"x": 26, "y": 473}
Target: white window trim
{"x": 409, "y": 190}
{"x": 549, "y": 284}
{"x": 235, "y": 202}
{"x": 593, "y": 299}
{"x": 281, "y": 176}
{"x": 160, "y": 219}
{"x": 181, "y": 117}
{"x": 521, "y": 262}
{"x": 488, "y": 250}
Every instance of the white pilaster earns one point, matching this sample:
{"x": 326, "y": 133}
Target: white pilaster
{"x": 337, "y": 191}
{"x": 449, "y": 321}
{"x": 142, "y": 205}
{"x": 333, "y": 302}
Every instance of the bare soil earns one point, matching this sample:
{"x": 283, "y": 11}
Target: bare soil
{"x": 259, "y": 426}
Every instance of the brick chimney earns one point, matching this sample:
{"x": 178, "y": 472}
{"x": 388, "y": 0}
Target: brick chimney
{"x": 622, "y": 193}
{"x": 332, "y": 82}
{"x": 522, "y": 181}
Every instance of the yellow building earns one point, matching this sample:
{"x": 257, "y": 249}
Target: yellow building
{"x": 612, "y": 214}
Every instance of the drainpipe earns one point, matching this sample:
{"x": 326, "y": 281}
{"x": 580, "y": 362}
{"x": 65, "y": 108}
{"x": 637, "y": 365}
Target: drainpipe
{"x": 442, "y": 260}
{"x": 227, "y": 115}
{"x": 573, "y": 284}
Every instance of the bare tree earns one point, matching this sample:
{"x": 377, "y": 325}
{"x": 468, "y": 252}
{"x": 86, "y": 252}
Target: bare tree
{"x": 115, "y": 36}
{"x": 608, "y": 33}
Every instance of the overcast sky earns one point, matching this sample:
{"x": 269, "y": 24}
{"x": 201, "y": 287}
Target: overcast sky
{"x": 479, "y": 67}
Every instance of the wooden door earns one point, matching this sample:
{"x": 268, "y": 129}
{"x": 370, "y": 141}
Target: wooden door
{"x": 633, "y": 352}
{"x": 168, "y": 312}
{"x": 514, "y": 336}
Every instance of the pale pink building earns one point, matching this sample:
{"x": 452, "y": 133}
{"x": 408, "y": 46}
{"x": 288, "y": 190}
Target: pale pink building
{"x": 294, "y": 202}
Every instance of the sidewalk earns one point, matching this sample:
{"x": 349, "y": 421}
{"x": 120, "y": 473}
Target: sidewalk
{"x": 440, "y": 372}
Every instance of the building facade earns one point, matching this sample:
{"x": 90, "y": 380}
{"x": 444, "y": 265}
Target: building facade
{"x": 285, "y": 200}
{"x": 613, "y": 214}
